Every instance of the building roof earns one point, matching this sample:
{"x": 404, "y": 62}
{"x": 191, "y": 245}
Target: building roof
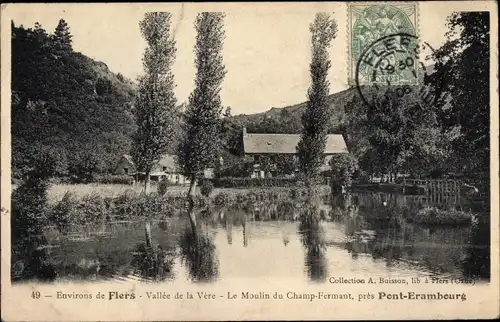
{"x": 287, "y": 143}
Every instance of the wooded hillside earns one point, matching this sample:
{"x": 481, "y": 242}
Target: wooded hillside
{"x": 66, "y": 102}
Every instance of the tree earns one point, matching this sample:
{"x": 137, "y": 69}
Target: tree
{"x": 403, "y": 136}
{"x": 30, "y": 210}
{"x": 38, "y": 160}
{"x": 316, "y": 117}
{"x": 343, "y": 167}
{"x": 41, "y": 35}
{"x": 199, "y": 147}
{"x": 388, "y": 121}
{"x": 461, "y": 84}
{"x": 62, "y": 36}
{"x": 85, "y": 164}
{"x": 227, "y": 112}
{"x": 156, "y": 103}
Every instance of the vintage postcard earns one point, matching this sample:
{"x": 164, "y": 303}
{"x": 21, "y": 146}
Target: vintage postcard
{"x": 249, "y": 161}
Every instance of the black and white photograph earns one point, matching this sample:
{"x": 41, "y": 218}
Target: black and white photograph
{"x": 333, "y": 155}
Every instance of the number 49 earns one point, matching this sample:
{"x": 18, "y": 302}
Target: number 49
{"x": 35, "y": 295}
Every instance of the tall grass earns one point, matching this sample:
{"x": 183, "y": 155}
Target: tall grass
{"x": 448, "y": 217}
{"x": 91, "y": 209}
{"x": 262, "y": 204}
{"x": 94, "y": 209}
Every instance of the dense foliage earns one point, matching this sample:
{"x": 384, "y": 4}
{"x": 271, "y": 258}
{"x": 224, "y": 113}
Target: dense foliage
{"x": 343, "y": 166}
{"x": 395, "y": 135}
{"x": 67, "y": 102}
{"x": 206, "y": 187}
{"x": 462, "y": 85}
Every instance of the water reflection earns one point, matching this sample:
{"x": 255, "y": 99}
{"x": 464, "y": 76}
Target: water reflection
{"x": 371, "y": 230}
{"x": 313, "y": 240}
{"x": 234, "y": 216}
{"x": 227, "y": 223}
{"x": 378, "y": 229}
{"x": 150, "y": 260}
{"x": 152, "y": 263}
{"x": 198, "y": 253}
{"x": 476, "y": 263}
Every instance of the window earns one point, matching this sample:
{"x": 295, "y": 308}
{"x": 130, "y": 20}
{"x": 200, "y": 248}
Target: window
{"x": 164, "y": 169}
{"x": 125, "y": 170}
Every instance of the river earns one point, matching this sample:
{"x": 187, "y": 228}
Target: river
{"x": 232, "y": 243}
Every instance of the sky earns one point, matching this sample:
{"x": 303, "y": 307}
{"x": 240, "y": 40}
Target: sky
{"x": 266, "y": 50}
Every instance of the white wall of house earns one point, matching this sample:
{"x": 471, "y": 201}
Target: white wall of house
{"x": 177, "y": 178}
{"x": 257, "y": 174}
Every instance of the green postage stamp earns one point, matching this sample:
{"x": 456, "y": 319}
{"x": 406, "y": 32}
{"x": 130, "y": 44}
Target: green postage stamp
{"x": 380, "y": 37}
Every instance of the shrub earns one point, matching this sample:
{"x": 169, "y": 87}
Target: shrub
{"x": 436, "y": 216}
{"x": 65, "y": 212}
{"x": 222, "y": 199}
{"x": 124, "y": 206}
{"x": 28, "y": 215}
{"x": 343, "y": 166}
{"x": 85, "y": 165}
{"x": 294, "y": 193}
{"x": 206, "y": 187}
{"x": 163, "y": 187}
{"x": 93, "y": 209}
{"x": 150, "y": 206}
{"x": 113, "y": 179}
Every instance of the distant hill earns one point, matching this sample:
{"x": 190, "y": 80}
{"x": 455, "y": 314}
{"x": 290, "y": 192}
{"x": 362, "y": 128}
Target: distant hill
{"x": 68, "y": 102}
{"x": 288, "y": 119}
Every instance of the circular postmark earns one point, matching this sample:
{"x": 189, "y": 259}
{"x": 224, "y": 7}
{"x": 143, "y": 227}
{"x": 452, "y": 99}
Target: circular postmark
{"x": 395, "y": 64}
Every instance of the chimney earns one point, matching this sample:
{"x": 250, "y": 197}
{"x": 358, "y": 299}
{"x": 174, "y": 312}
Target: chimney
{"x": 244, "y": 131}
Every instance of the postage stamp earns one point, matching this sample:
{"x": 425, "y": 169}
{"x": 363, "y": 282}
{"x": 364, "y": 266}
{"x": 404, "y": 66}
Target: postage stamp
{"x": 396, "y": 63}
{"x": 368, "y": 23}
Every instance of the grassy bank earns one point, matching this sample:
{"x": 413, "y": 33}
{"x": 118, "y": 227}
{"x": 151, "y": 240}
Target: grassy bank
{"x": 57, "y": 191}
{"x": 75, "y": 208}
{"x": 83, "y": 204}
